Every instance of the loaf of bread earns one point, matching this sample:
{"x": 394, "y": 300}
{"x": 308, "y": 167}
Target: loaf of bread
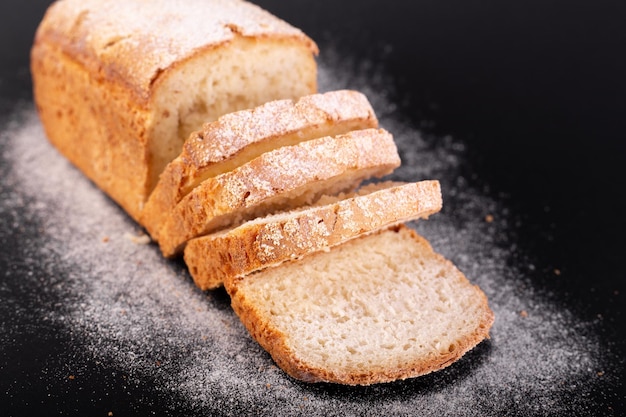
{"x": 333, "y": 220}
{"x": 239, "y": 137}
{"x": 120, "y": 85}
{"x": 375, "y": 309}
{"x": 201, "y": 120}
{"x": 284, "y": 178}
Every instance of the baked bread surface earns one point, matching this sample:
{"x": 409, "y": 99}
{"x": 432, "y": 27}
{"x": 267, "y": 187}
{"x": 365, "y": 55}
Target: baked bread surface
{"x": 120, "y": 84}
{"x": 333, "y": 220}
{"x": 239, "y": 137}
{"x": 375, "y": 309}
{"x": 285, "y": 178}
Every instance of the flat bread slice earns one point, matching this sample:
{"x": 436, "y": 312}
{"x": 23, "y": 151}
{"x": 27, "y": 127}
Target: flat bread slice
{"x": 375, "y": 309}
{"x": 333, "y": 220}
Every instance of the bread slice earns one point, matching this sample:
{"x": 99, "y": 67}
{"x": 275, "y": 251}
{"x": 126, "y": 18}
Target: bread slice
{"x": 274, "y": 239}
{"x": 375, "y": 309}
{"x": 239, "y": 137}
{"x": 285, "y": 178}
{"x": 121, "y": 84}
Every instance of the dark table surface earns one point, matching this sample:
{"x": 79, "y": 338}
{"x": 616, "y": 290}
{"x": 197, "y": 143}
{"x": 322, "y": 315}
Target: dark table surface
{"x": 519, "y": 108}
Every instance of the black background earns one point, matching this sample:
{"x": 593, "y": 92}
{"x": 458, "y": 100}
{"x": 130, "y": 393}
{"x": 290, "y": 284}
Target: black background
{"x": 535, "y": 89}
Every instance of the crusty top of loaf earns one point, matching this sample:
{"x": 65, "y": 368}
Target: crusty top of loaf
{"x": 113, "y": 33}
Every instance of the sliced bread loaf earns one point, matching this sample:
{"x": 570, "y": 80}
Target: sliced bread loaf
{"x": 375, "y": 309}
{"x": 239, "y": 137}
{"x": 121, "y": 84}
{"x": 285, "y": 178}
{"x": 274, "y": 239}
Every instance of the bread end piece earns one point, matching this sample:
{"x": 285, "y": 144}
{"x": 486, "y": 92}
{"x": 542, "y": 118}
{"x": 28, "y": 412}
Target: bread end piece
{"x": 376, "y": 309}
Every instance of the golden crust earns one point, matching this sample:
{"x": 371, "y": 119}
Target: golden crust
{"x": 107, "y": 36}
{"x": 238, "y": 137}
{"x": 284, "y": 178}
{"x": 270, "y": 241}
{"x": 278, "y": 343}
{"x": 93, "y": 124}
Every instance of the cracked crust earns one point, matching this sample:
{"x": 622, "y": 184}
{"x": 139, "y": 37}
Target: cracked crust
{"x": 108, "y": 36}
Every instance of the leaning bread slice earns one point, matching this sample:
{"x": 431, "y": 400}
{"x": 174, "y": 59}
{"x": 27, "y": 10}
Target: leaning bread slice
{"x": 239, "y": 137}
{"x": 375, "y": 309}
{"x": 285, "y": 178}
{"x": 274, "y": 239}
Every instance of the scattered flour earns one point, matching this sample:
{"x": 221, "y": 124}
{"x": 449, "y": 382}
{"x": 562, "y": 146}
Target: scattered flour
{"x": 128, "y": 307}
